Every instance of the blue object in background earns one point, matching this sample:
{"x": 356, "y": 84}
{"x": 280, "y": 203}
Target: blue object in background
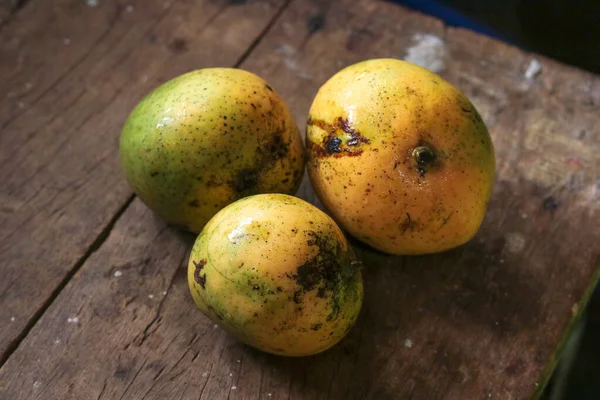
{"x": 451, "y": 17}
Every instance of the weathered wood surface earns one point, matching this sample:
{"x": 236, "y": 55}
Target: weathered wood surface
{"x": 481, "y": 321}
{"x": 7, "y": 9}
{"x": 70, "y": 74}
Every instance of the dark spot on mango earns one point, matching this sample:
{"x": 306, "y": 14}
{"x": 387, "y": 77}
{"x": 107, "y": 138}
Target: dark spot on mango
{"x": 194, "y": 203}
{"x": 277, "y": 148}
{"x": 200, "y": 279}
{"x": 153, "y": 174}
{"x": 245, "y": 181}
{"x": 297, "y": 296}
{"x": 269, "y": 88}
{"x": 323, "y": 272}
{"x": 407, "y": 225}
{"x": 333, "y": 144}
{"x": 446, "y": 219}
{"x": 316, "y": 326}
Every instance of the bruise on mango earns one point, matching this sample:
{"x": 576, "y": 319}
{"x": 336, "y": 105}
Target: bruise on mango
{"x": 408, "y": 224}
{"x": 247, "y": 181}
{"x": 324, "y": 273}
{"x": 200, "y": 279}
{"x": 332, "y": 144}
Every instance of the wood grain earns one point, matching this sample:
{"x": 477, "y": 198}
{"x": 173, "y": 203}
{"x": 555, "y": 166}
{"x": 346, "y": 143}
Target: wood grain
{"x": 71, "y": 74}
{"x": 482, "y": 321}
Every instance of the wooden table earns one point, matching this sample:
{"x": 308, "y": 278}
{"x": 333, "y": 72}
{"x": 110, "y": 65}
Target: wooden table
{"x": 94, "y": 299}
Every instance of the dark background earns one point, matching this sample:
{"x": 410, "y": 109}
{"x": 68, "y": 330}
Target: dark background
{"x": 569, "y": 32}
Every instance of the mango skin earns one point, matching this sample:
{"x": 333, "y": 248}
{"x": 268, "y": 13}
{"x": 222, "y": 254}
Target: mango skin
{"x": 276, "y": 273}
{"x": 363, "y": 128}
{"x": 207, "y": 138}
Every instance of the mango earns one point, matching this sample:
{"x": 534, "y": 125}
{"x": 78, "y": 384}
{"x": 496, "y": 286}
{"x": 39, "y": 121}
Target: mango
{"x": 399, "y": 157}
{"x": 207, "y": 138}
{"x": 276, "y": 273}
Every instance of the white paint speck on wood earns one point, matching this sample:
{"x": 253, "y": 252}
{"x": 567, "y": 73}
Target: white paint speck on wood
{"x": 428, "y": 51}
{"x": 534, "y": 68}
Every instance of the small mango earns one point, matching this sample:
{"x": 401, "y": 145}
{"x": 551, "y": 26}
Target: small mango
{"x": 276, "y": 273}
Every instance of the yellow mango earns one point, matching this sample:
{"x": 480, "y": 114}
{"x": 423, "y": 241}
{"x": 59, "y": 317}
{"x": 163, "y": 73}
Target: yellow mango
{"x": 399, "y": 157}
{"x": 276, "y": 273}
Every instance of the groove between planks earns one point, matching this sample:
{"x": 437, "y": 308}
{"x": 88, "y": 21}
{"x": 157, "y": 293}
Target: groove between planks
{"x": 95, "y": 246}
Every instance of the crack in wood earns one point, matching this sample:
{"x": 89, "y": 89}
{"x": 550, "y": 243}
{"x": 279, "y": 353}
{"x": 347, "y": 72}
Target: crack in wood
{"x": 237, "y": 376}
{"x": 100, "y": 239}
{"x": 193, "y": 340}
{"x": 262, "y": 34}
{"x": 154, "y": 383}
{"x": 133, "y": 380}
{"x": 103, "y": 389}
{"x": 208, "y": 377}
{"x": 187, "y": 384}
{"x": 157, "y": 317}
{"x": 358, "y": 344}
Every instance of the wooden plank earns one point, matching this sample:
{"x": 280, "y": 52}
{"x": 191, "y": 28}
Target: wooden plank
{"x": 481, "y": 321}
{"x": 7, "y": 9}
{"x": 71, "y": 74}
